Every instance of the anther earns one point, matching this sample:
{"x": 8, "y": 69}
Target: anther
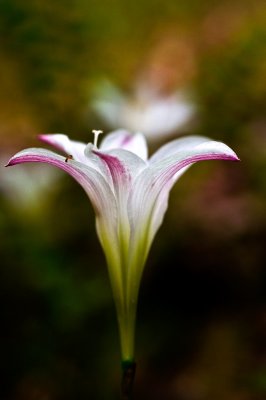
{"x": 96, "y": 135}
{"x": 68, "y": 157}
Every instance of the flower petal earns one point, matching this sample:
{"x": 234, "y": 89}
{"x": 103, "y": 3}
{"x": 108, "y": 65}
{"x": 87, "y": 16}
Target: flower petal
{"x": 149, "y": 197}
{"x": 123, "y": 167}
{"x": 150, "y": 194}
{"x": 132, "y": 162}
{"x": 102, "y": 198}
{"x": 175, "y": 146}
{"x": 70, "y": 147}
{"x": 91, "y": 180}
{"x": 121, "y": 139}
{"x": 121, "y": 180}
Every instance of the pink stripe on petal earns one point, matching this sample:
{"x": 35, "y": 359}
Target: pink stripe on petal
{"x": 126, "y": 140}
{"x": 116, "y": 167}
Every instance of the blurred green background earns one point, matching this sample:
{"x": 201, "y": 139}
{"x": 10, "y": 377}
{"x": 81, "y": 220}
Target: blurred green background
{"x": 201, "y": 329}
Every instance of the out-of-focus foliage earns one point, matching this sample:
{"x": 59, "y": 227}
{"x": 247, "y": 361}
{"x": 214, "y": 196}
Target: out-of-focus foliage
{"x": 201, "y": 328}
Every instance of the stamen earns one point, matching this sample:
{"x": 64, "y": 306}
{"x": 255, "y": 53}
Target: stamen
{"x": 96, "y": 135}
{"x": 68, "y": 157}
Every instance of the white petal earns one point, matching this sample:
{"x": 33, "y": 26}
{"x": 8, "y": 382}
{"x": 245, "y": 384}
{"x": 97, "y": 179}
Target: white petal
{"x": 120, "y": 178}
{"x": 122, "y": 169}
{"x": 92, "y": 181}
{"x": 175, "y": 146}
{"x": 103, "y": 201}
{"x": 132, "y": 162}
{"x": 148, "y": 201}
{"x": 121, "y": 139}
{"x": 70, "y": 147}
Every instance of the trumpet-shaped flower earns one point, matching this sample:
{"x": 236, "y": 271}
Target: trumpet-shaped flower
{"x": 129, "y": 194}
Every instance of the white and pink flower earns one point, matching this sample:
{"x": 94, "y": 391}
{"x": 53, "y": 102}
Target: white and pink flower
{"x": 129, "y": 193}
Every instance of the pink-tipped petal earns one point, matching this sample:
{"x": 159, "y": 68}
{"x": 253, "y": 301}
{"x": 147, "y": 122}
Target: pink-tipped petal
{"x": 177, "y": 145}
{"x": 92, "y": 181}
{"x": 187, "y": 144}
{"x": 122, "y": 139}
{"x": 63, "y": 143}
{"x": 150, "y": 194}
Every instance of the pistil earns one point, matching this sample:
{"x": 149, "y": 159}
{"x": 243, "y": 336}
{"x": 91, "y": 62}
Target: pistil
{"x": 96, "y": 135}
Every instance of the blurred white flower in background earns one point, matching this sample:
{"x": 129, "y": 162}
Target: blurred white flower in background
{"x": 147, "y": 111}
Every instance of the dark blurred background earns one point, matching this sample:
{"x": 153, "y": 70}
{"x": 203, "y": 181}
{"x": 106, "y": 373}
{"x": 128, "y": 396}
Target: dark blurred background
{"x": 201, "y": 329}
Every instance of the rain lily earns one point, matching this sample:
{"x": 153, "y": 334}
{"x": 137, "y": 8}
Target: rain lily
{"x": 129, "y": 194}
{"x": 147, "y": 111}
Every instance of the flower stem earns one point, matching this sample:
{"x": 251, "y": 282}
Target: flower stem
{"x": 128, "y": 375}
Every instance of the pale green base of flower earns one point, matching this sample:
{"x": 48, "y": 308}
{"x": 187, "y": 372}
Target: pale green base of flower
{"x": 126, "y": 324}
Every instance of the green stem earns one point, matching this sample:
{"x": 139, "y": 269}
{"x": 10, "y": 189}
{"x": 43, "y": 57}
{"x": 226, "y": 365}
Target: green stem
{"x": 128, "y": 375}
